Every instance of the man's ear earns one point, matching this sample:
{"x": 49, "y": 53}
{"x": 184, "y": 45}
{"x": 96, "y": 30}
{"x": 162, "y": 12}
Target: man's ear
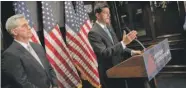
{"x": 97, "y": 15}
{"x": 14, "y": 31}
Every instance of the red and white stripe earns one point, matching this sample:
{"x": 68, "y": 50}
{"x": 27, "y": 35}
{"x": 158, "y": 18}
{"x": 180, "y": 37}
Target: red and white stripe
{"x": 82, "y": 52}
{"x": 35, "y": 37}
{"x": 60, "y": 59}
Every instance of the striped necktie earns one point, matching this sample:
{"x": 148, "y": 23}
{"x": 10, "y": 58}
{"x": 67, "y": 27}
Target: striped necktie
{"x": 108, "y": 33}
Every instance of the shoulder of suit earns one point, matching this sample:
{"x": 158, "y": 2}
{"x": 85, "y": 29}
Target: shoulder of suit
{"x": 13, "y": 46}
{"x": 95, "y": 27}
{"x": 12, "y": 49}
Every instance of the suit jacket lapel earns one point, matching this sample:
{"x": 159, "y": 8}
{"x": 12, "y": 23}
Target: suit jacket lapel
{"x": 103, "y": 32}
{"x": 27, "y": 54}
{"x": 39, "y": 54}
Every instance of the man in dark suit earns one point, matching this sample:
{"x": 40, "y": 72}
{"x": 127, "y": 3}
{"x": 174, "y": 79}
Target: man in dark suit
{"x": 108, "y": 49}
{"x": 24, "y": 63}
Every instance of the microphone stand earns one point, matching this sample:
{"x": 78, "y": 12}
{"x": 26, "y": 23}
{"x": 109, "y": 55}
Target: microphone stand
{"x": 136, "y": 39}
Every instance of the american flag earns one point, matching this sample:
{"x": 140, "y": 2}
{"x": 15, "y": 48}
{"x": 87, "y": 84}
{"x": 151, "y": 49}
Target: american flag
{"x": 56, "y": 50}
{"x": 20, "y": 7}
{"x": 77, "y": 27}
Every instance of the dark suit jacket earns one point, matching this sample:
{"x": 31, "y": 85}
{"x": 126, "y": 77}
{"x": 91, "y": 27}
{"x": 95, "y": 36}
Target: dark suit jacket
{"x": 21, "y": 70}
{"x": 108, "y": 53}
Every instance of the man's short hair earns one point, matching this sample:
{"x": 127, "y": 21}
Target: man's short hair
{"x": 99, "y": 6}
{"x": 11, "y": 23}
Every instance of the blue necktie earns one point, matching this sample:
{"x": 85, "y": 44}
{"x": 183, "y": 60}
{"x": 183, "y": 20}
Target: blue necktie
{"x": 108, "y": 33}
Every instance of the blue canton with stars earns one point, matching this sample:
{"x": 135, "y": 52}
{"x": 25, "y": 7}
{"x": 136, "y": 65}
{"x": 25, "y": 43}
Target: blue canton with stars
{"x": 48, "y": 17}
{"x": 71, "y": 18}
{"x": 81, "y": 13}
{"x": 21, "y": 8}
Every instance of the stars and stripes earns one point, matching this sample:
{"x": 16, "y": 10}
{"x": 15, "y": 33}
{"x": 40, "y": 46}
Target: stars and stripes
{"x": 20, "y": 7}
{"x": 57, "y": 52}
{"x": 77, "y": 27}
{"x": 85, "y": 27}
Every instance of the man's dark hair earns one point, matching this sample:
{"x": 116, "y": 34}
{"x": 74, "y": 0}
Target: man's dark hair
{"x": 99, "y": 6}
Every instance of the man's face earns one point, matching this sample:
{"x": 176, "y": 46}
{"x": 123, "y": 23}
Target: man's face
{"x": 23, "y": 29}
{"x": 104, "y": 16}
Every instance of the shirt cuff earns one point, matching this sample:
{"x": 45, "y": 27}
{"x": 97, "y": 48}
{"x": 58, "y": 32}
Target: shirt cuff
{"x": 123, "y": 45}
{"x": 132, "y": 53}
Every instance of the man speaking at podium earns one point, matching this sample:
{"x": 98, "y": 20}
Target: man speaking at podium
{"x": 108, "y": 49}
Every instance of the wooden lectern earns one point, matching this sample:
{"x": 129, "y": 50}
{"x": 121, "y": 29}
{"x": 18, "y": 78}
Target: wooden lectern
{"x": 136, "y": 66}
{"x": 130, "y": 68}
{"x": 133, "y": 67}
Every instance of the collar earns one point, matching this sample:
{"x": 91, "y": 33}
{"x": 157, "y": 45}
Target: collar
{"x": 101, "y": 24}
{"x": 22, "y": 44}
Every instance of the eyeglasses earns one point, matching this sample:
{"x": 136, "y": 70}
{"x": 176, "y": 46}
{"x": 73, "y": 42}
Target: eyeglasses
{"x": 24, "y": 26}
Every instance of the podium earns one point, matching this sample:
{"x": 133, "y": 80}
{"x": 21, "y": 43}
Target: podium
{"x": 146, "y": 65}
{"x": 132, "y": 67}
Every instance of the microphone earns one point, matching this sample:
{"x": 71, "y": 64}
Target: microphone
{"x": 136, "y": 39}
